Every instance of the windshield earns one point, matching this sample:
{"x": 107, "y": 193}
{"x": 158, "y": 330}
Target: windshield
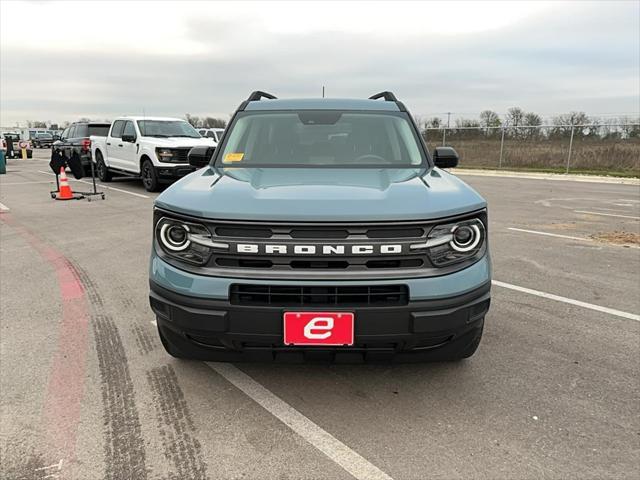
{"x": 322, "y": 138}
{"x": 167, "y": 128}
{"x": 45, "y": 135}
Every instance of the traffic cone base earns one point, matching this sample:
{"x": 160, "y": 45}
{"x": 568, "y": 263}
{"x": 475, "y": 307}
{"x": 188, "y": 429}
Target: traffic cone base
{"x": 65, "y": 192}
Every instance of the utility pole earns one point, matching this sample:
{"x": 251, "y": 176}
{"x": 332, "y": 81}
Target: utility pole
{"x": 448, "y": 118}
{"x": 323, "y": 91}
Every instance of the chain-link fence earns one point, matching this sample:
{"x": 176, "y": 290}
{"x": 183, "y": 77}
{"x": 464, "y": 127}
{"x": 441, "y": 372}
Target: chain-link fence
{"x": 613, "y": 149}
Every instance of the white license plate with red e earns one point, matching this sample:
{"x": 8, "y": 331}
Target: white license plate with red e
{"x": 318, "y": 328}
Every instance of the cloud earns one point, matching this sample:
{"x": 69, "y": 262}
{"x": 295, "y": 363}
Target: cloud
{"x": 548, "y": 58}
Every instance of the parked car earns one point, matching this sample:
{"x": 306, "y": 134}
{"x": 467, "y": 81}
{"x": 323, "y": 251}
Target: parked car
{"x": 11, "y": 145}
{"x": 215, "y": 133}
{"x": 324, "y": 229}
{"x": 155, "y": 148}
{"x": 42, "y": 140}
{"x": 75, "y": 141}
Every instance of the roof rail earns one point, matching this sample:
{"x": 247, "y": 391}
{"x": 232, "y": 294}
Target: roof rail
{"x": 257, "y": 95}
{"x": 388, "y": 96}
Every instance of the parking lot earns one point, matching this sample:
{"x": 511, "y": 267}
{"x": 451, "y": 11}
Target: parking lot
{"x": 88, "y": 391}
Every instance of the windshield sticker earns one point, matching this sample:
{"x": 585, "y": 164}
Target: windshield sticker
{"x": 233, "y": 157}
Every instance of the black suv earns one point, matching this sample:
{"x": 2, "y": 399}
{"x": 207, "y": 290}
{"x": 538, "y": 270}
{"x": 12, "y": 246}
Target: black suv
{"x": 42, "y": 140}
{"x": 75, "y": 142}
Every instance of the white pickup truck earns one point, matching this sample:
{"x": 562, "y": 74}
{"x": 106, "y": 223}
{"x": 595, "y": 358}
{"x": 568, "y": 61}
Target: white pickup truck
{"x": 154, "y": 148}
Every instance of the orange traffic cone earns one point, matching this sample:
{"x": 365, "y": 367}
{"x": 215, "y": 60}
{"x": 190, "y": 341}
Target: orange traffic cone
{"x": 65, "y": 192}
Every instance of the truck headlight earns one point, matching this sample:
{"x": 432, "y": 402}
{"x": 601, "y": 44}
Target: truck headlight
{"x": 187, "y": 241}
{"x": 166, "y": 155}
{"x": 454, "y": 242}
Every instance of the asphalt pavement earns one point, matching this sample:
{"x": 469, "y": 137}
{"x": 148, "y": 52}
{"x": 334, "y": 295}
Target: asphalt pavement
{"x": 87, "y": 392}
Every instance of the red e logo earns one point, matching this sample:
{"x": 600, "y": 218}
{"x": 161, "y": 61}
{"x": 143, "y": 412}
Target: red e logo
{"x": 318, "y": 328}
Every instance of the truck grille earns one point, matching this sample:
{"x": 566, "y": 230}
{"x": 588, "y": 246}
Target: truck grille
{"x": 311, "y": 296}
{"x": 182, "y": 154}
{"x": 319, "y": 236}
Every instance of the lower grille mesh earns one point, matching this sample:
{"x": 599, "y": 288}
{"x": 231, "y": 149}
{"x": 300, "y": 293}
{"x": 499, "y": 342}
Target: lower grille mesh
{"x": 295, "y": 296}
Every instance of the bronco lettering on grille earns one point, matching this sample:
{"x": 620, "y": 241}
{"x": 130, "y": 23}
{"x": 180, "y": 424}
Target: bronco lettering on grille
{"x": 359, "y": 249}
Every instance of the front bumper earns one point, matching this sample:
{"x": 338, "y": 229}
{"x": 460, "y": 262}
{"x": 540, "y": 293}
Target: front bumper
{"x": 173, "y": 172}
{"x": 214, "y": 329}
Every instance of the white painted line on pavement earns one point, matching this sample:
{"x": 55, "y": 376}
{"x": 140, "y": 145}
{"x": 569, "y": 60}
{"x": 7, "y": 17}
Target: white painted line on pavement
{"x": 617, "y": 210}
{"x": 558, "y": 298}
{"x": 101, "y": 185}
{"x": 607, "y": 214}
{"x": 333, "y": 448}
{"x": 550, "y": 234}
{"x": 4, "y": 208}
{"x": 2, "y": 184}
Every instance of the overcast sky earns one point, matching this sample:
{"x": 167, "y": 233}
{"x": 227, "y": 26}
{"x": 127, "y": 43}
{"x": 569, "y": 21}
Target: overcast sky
{"x": 103, "y": 59}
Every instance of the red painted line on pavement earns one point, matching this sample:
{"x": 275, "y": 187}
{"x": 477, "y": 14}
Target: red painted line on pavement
{"x": 63, "y": 400}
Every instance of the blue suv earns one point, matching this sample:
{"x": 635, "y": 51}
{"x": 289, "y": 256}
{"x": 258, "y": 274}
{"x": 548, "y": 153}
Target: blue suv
{"x": 320, "y": 229}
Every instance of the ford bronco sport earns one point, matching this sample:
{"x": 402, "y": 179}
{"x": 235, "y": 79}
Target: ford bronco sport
{"x": 320, "y": 229}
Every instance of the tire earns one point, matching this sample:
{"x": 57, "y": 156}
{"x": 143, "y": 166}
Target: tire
{"x": 149, "y": 176}
{"x": 102, "y": 171}
{"x": 29, "y": 153}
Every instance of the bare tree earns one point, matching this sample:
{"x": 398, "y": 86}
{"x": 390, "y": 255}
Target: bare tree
{"x": 205, "y": 122}
{"x": 193, "y": 120}
{"x": 467, "y": 123}
{"x": 565, "y": 123}
{"x": 489, "y": 119}
{"x": 210, "y": 122}
{"x": 532, "y": 119}
{"x": 434, "y": 122}
{"x": 515, "y": 116}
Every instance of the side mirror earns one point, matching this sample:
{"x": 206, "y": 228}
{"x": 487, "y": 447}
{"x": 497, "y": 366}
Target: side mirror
{"x": 445, "y": 157}
{"x": 200, "y": 156}
{"x": 128, "y": 138}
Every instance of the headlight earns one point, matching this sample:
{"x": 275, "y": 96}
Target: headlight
{"x": 454, "y": 242}
{"x": 167, "y": 155}
{"x": 190, "y": 242}
{"x": 175, "y": 236}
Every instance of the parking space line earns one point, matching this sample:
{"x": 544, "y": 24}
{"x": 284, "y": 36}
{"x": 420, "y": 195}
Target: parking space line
{"x": 333, "y": 448}
{"x": 2, "y": 184}
{"x": 101, "y": 185}
{"x": 558, "y": 298}
{"x": 550, "y": 234}
{"x": 607, "y": 214}
{"x": 617, "y": 210}
{"x": 4, "y": 208}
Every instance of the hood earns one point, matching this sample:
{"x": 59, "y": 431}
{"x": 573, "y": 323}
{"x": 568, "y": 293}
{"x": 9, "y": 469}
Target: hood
{"x": 313, "y": 194}
{"x": 180, "y": 141}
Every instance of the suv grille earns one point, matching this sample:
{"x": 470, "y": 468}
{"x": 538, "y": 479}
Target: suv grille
{"x": 309, "y": 296}
{"x": 374, "y": 236}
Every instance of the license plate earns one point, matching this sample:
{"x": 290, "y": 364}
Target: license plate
{"x": 318, "y": 328}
